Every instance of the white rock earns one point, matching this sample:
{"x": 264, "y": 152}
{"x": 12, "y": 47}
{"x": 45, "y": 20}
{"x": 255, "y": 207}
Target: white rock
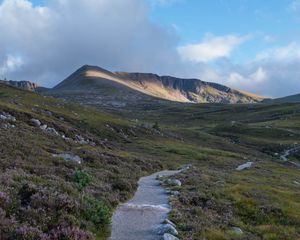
{"x": 168, "y": 236}
{"x": 246, "y": 165}
{"x": 43, "y": 127}
{"x": 167, "y": 228}
{"x": 237, "y": 230}
{"x": 2, "y": 117}
{"x": 69, "y": 157}
{"x": 174, "y": 182}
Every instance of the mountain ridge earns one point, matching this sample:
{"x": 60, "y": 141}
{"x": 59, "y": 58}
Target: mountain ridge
{"x": 162, "y": 87}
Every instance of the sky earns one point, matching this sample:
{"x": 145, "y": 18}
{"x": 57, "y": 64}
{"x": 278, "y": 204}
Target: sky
{"x": 251, "y": 45}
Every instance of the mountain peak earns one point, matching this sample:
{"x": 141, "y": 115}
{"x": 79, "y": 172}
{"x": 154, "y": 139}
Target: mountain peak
{"x": 125, "y": 86}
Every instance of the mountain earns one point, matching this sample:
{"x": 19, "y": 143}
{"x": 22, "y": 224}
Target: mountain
{"x": 26, "y": 85}
{"x": 289, "y": 99}
{"x": 105, "y": 87}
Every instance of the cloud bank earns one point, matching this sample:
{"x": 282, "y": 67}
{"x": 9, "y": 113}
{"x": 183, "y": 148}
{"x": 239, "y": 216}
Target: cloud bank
{"x": 47, "y": 43}
{"x": 211, "y": 48}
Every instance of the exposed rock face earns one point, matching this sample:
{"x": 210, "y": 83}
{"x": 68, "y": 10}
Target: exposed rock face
{"x": 94, "y": 85}
{"x": 26, "y": 85}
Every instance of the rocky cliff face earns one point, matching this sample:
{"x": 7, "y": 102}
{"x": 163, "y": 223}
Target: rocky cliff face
{"x": 94, "y": 85}
{"x": 26, "y": 85}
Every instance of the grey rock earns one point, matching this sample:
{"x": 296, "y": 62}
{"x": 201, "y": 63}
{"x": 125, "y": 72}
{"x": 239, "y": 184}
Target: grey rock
{"x": 7, "y": 117}
{"x": 43, "y": 127}
{"x": 69, "y": 157}
{"x": 52, "y": 131}
{"x": 174, "y": 182}
{"x": 168, "y": 221}
{"x": 167, "y": 228}
{"x": 168, "y": 236}
{"x": 244, "y": 166}
{"x": 237, "y": 230}
{"x": 36, "y": 122}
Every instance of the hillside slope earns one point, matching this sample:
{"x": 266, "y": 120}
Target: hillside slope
{"x": 63, "y": 175}
{"x": 120, "y": 87}
{"x": 288, "y": 99}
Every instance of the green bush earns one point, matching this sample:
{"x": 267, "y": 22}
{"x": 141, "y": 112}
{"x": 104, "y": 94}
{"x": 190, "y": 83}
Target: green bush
{"x": 97, "y": 211}
{"x": 82, "y": 179}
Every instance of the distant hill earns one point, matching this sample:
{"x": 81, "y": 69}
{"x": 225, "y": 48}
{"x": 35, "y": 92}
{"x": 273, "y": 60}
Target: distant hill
{"x": 97, "y": 85}
{"x": 26, "y": 85}
{"x": 289, "y": 99}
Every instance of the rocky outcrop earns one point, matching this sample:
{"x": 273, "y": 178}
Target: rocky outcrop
{"x": 98, "y": 86}
{"x": 26, "y": 85}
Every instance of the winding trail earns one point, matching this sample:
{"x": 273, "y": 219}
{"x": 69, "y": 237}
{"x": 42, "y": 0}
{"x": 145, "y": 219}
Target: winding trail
{"x": 139, "y": 218}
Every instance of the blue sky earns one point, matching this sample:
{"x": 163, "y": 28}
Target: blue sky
{"x": 269, "y": 22}
{"x": 252, "y": 45}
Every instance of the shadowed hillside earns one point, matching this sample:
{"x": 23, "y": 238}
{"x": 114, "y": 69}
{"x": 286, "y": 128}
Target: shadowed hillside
{"x": 97, "y": 86}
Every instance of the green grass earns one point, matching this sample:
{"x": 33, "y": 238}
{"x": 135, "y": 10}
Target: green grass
{"x": 263, "y": 201}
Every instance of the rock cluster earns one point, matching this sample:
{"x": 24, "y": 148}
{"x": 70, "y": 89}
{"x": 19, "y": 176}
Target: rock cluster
{"x": 7, "y": 118}
{"x": 78, "y": 138}
{"x": 168, "y": 229}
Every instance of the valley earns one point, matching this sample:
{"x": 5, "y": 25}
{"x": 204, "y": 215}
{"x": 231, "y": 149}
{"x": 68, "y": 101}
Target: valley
{"x": 44, "y": 195}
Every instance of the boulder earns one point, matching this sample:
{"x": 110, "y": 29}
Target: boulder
{"x": 36, "y": 122}
{"x": 168, "y": 221}
{"x": 237, "y": 230}
{"x": 168, "y": 236}
{"x": 69, "y": 157}
{"x": 52, "y": 131}
{"x": 43, "y": 127}
{"x": 244, "y": 166}
{"x": 167, "y": 228}
{"x": 174, "y": 182}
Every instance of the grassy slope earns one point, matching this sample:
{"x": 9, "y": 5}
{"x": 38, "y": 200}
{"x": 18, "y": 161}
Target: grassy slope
{"x": 264, "y": 201}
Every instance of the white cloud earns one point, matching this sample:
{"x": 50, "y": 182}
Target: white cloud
{"x": 285, "y": 53}
{"x": 10, "y": 64}
{"x": 45, "y": 44}
{"x": 211, "y": 48}
{"x": 59, "y": 37}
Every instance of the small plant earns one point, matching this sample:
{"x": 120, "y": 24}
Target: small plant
{"x": 97, "y": 211}
{"x": 28, "y": 233}
{"x": 82, "y": 179}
